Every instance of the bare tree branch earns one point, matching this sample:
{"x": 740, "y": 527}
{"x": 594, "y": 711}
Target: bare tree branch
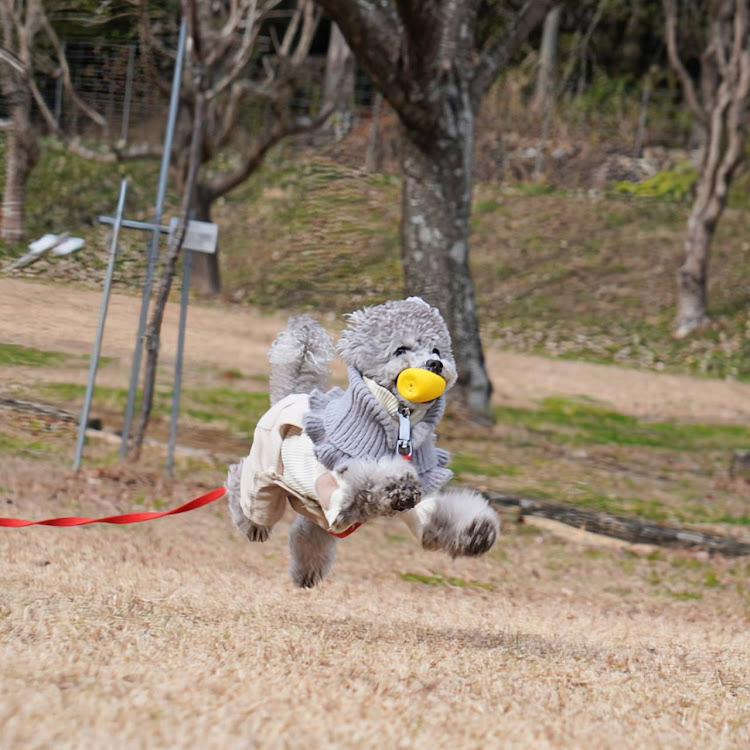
{"x": 688, "y": 87}
{"x": 153, "y": 330}
{"x": 283, "y": 127}
{"x": 244, "y": 54}
{"x": 115, "y": 153}
{"x": 10, "y": 59}
{"x": 500, "y": 50}
{"x": 65, "y": 72}
{"x": 375, "y": 31}
{"x": 631, "y": 530}
{"x": 241, "y": 14}
{"x": 151, "y": 46}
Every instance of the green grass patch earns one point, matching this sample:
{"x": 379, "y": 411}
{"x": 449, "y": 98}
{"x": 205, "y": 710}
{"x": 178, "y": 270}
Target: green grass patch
{"x": 686, "y": 595}
{"x": 15, "y": 355}
{"x": 24, "y": 356}
{"x": 573, "y": 422}
{"x": 438, "y": 580}
{"x": 471, "y": 463}
{"x": 650, "y": 510}
{"x": 113, "y": 398}
{"x": 14, "y": 446}
{"x": 238, "y": 411}
{"x": 676, "y": 184}
{"x": 743, "y": 520}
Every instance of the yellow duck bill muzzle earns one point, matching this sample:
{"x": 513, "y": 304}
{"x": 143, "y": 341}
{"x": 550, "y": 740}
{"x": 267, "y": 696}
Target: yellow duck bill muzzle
{"x": 418, "y": 385}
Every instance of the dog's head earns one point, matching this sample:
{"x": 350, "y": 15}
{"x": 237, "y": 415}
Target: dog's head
{"x": 384, "y": 340}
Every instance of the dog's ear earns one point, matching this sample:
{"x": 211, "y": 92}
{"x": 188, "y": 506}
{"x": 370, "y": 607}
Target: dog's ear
{"x": 352, "y": 337}
{"x": 419, "y": 300}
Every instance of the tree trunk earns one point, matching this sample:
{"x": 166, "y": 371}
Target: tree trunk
{"x": 547, "y": 61}
{"x": 693, "y": 274}
{"x": 436, "y": 207}
{"x": 718, "y": 164}
{"x": 206, "y": 278}
{"x": 339, "y": 81}
{"x": 21, "y": 155}
{"x": 720, "y": 110}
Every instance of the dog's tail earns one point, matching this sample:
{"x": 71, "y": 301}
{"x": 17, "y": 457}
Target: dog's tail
{"x": 300, "y": 357}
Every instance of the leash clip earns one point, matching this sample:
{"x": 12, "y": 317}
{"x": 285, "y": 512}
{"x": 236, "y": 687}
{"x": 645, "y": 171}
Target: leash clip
{"x": 403, "y": 446}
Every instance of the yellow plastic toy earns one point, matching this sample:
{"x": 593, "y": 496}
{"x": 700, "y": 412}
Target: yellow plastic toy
{"x": 418, "y": 385}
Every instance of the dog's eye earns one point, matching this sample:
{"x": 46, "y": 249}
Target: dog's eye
{"x": 401, "y": 350}
{"x": 436, "y": 352}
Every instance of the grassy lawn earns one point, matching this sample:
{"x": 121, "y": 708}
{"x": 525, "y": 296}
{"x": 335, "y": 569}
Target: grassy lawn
{"x": 564, "y": 449}
{"x": 569, "y": 274}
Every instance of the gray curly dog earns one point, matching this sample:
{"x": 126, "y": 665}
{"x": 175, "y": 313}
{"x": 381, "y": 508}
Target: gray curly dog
{"x": 343, "y": 457}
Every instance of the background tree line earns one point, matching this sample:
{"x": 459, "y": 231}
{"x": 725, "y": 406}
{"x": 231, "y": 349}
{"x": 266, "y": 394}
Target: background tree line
{"x": 434, "y": 63}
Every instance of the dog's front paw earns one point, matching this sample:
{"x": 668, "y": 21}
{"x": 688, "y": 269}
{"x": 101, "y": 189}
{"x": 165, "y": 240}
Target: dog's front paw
{"x": 372, "y": 489}
{"x": 403, "y": 494}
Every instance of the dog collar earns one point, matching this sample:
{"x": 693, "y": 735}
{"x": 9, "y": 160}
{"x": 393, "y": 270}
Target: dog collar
{"x": 404, "y": 446}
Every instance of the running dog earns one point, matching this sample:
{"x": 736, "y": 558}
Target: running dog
{"x": 343, "y": 457}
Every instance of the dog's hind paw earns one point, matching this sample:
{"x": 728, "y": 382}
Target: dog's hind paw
{"x": 313, "y": 551}
{"x": 256, "y": 533}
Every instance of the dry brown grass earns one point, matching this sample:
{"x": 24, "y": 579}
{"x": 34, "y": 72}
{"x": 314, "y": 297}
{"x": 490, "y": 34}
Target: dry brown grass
{"x": 178, "y": 633}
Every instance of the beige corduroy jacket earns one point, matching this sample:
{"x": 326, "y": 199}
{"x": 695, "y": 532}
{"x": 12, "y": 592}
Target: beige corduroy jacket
{"x": 264, "y": 488}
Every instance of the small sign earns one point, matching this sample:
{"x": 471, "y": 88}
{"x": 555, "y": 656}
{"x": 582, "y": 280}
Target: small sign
{"x": 201, "y": 236}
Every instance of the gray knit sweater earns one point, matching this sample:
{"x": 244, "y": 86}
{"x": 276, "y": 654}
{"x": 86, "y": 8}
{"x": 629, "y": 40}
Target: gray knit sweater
{"x": 354, "y": 424}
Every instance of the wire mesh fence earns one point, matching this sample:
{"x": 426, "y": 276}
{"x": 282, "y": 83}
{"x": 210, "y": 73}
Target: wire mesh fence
{"x": 130, "y": 91}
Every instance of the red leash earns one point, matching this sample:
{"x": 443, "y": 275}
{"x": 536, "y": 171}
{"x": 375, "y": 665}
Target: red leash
{"x": 198, "y": 502}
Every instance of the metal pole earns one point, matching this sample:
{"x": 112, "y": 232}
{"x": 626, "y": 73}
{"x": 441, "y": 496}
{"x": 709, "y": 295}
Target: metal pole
{"x": 130, "y": 224}
{"x": 187, "y": 262}
{"x": 154, "y": 249}
{"x": 128, "y": 92}
{"x": 94, "y": 363}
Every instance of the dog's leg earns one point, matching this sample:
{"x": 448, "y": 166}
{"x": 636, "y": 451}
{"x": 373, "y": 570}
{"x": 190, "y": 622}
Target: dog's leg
{"x": 251, "y": 530}
{"x": 313, "y": 551}
{"x": 371, "y": 489}
{"x": 458, "y": 521}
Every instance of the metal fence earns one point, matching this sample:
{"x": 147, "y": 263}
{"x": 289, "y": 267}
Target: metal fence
{"x": 112, "y": 79}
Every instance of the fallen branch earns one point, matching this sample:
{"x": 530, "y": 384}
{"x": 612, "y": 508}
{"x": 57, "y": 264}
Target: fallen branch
{"x": 47, "y": 410}
{"x": 34, "y": 407}
{"x": 629, "y": 529}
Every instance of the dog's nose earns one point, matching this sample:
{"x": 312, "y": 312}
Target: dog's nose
{"x": 434, "y": 365}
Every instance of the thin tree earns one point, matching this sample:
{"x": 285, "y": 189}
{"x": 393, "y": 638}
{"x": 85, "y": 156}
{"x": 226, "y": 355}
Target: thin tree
{"x": 235, "y": 72}
{"x": 213, "y": 70}
{"x": 541, "y": 103}
{"x": 719, "y": 105}
{"x": 547, "y": 61}
{"x": 434, "y": 60}
{"x": 152, "y": 337}
{"x": 30, "y": 45}
{"x": 339, "y": 81}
